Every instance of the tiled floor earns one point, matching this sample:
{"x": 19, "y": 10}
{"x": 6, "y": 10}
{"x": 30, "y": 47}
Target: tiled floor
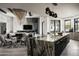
{"x": 72, "y": 49}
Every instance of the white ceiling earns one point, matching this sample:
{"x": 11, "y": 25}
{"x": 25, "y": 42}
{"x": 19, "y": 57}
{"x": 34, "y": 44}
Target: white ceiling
{"x": 39, "y": 8}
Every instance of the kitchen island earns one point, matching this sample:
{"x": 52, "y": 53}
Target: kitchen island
{"x": 49, "y": 45}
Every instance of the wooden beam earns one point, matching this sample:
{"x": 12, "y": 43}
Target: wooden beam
{"x": 3, "y": 11}
{"x": 55, "y": 4}
{"x": 10, "y": 10}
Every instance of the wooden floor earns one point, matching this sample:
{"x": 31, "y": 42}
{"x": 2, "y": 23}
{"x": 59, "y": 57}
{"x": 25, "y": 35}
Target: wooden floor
{"x": 13, "y": 51}
{"x": 72, "y": 49}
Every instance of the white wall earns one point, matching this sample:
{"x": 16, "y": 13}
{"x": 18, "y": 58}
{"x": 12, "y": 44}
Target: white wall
{"x": 43, "y": 19}
{"x": 18, "y": 24}
{"x": 7, "y": 20}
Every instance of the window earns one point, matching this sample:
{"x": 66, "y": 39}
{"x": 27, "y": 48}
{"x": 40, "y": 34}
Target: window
{"x": 67, "y": 25}
{"x": 55, "y": 25}
{"x": 76, "y": 25}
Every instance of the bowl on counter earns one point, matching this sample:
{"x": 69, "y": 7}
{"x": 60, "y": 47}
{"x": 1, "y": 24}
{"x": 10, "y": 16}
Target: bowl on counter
{"x": 60, "y": 33}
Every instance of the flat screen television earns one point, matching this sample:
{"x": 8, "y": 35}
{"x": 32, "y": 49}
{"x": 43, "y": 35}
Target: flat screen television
{"x": 27, "y": 27}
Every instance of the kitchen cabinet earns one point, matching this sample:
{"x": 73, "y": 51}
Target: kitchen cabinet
{"x": 49, "y": 46}
{"x": 60, "y": 45}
